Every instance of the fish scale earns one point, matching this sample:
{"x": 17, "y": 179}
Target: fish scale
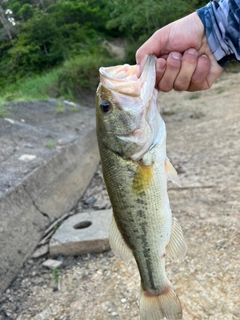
{"x": 137, "y": 213}
{"x": 135, "y": 170}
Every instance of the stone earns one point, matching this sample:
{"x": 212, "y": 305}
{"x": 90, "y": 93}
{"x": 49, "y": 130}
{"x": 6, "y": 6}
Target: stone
{"x": 82, "y": 233}
{"x": 9, "y": 120}
{"x": 27, "y": 157}
{"x": 41, "y": 251}
{"x": 52, "y": 264}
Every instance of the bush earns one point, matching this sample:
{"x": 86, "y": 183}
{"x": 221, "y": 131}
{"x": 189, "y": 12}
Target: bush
{"x": 80, "y": 75}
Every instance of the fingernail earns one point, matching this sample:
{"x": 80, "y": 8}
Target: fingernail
{"x": 176, "y": 55}
{"x": 192, "y": 51}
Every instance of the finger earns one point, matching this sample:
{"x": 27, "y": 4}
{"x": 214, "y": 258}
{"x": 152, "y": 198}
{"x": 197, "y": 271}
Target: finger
{"x": 171, "y": 71}
{"x": 140, "y": 63}
{"x": 189, "y": 64}
{"x": 160, "y": 68}
{"x": 199, "y": 78}
{"x": 215, "y": 71}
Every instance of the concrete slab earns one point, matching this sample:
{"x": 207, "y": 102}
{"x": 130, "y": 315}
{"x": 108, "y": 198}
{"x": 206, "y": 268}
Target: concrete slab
{"x": 52, "y": 264}
{"x": 82, "y": 233}
{"x": 36, "y": 192}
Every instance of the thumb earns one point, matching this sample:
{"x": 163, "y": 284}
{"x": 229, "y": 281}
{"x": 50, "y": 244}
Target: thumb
{"x": 141, "y": 59}
{"x": 155, "y": 45}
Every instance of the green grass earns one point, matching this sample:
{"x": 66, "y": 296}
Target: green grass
{"x": 50, "y": 144}
{"x": 30, "y": 89}
{"x": 60, "y": 107}
{"x": 64, "y": 82}
{"x": 55, "y": 273}
{"x": 4, "y": 112}
{"x": 220, "y": 90}
{"x": 194, "y": 96}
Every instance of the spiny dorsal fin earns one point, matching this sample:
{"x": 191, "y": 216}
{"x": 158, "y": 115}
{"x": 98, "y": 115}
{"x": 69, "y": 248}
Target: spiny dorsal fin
{"x": 176, "y": 248}
{"x": 117, "y": 243}
{"x": 172, "y": 173}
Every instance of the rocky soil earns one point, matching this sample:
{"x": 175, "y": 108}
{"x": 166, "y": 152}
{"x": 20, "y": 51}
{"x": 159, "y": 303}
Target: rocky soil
{"x": 204, "y": 146}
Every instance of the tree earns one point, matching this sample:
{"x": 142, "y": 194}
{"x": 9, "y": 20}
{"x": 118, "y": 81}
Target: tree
{"x": 5, "y": 22}
{"x": 140, "y": 18}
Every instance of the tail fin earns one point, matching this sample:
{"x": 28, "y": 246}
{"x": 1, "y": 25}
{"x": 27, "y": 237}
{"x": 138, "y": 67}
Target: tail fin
{"x": 164, "y": 306}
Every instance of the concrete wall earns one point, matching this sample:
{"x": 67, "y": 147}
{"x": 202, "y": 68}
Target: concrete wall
{"x": 43, "y": 196}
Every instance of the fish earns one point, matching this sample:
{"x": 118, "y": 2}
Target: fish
{"x": 131, "y": 137}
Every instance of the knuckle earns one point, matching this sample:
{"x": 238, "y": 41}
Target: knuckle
{"x": 174, "y": 65}
{"x": 164, "y": 87}
{"x": 181, "y": 84}
{"x": 190, "y": 59}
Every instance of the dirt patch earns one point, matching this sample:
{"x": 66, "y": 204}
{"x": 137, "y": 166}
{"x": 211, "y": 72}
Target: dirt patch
{"x": 203, "y": 144}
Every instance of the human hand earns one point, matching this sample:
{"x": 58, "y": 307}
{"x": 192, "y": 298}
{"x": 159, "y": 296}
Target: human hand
{"x": 185, "y": 60}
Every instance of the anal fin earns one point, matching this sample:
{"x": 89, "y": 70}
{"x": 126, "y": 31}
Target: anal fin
{"x": 117, "y": 243}
{"x": 176, "y": 248}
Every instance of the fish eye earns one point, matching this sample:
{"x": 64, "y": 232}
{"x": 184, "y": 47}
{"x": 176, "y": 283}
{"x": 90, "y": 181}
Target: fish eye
{"x": 105, "y": 106}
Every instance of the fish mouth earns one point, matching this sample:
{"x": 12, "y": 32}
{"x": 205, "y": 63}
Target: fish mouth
{"x": 122, "y": 79}
{"x": 136, "y": 101}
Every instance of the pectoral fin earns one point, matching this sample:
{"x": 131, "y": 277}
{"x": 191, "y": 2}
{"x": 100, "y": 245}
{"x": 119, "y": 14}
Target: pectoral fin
{"x": 117, "y": 243}
{"x": 176, "y": 248}
{"x": 172, "y": 173}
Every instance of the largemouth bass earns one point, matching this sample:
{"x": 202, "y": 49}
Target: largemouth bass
{"x": 132, "y": 144}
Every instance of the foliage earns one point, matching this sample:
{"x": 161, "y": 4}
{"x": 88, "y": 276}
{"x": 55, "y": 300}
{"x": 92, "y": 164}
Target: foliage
{"x": 48, "y": 33}
{"x": 142, "y": 18}
{"x": 68, "y": 81}
{"x": 62, "y": 39}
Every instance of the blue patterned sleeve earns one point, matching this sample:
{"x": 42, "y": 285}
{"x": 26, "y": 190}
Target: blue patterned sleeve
{"x": 221, "y": 19}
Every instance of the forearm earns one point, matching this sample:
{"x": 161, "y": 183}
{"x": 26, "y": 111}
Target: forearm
{"x": 221, "y": 19}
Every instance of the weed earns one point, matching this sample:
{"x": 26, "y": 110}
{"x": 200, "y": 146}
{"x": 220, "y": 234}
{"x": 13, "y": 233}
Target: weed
{"x": 3, "y": 109}
{"x": 55, "y": 273}
{"x": 50, "y": 144}
{"x": 56, "y": 226}
{"x": 60, "y": 107}
{"x": 194, "y": 96}
{"x": 74, "y": 109}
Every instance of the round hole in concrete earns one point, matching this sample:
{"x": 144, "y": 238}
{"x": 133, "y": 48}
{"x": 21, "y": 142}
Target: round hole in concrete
{"x": 82, "y": 225}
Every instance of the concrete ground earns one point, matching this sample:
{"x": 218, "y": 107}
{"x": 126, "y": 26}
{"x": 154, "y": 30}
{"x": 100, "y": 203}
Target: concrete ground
{"x": 203, "y": 144}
